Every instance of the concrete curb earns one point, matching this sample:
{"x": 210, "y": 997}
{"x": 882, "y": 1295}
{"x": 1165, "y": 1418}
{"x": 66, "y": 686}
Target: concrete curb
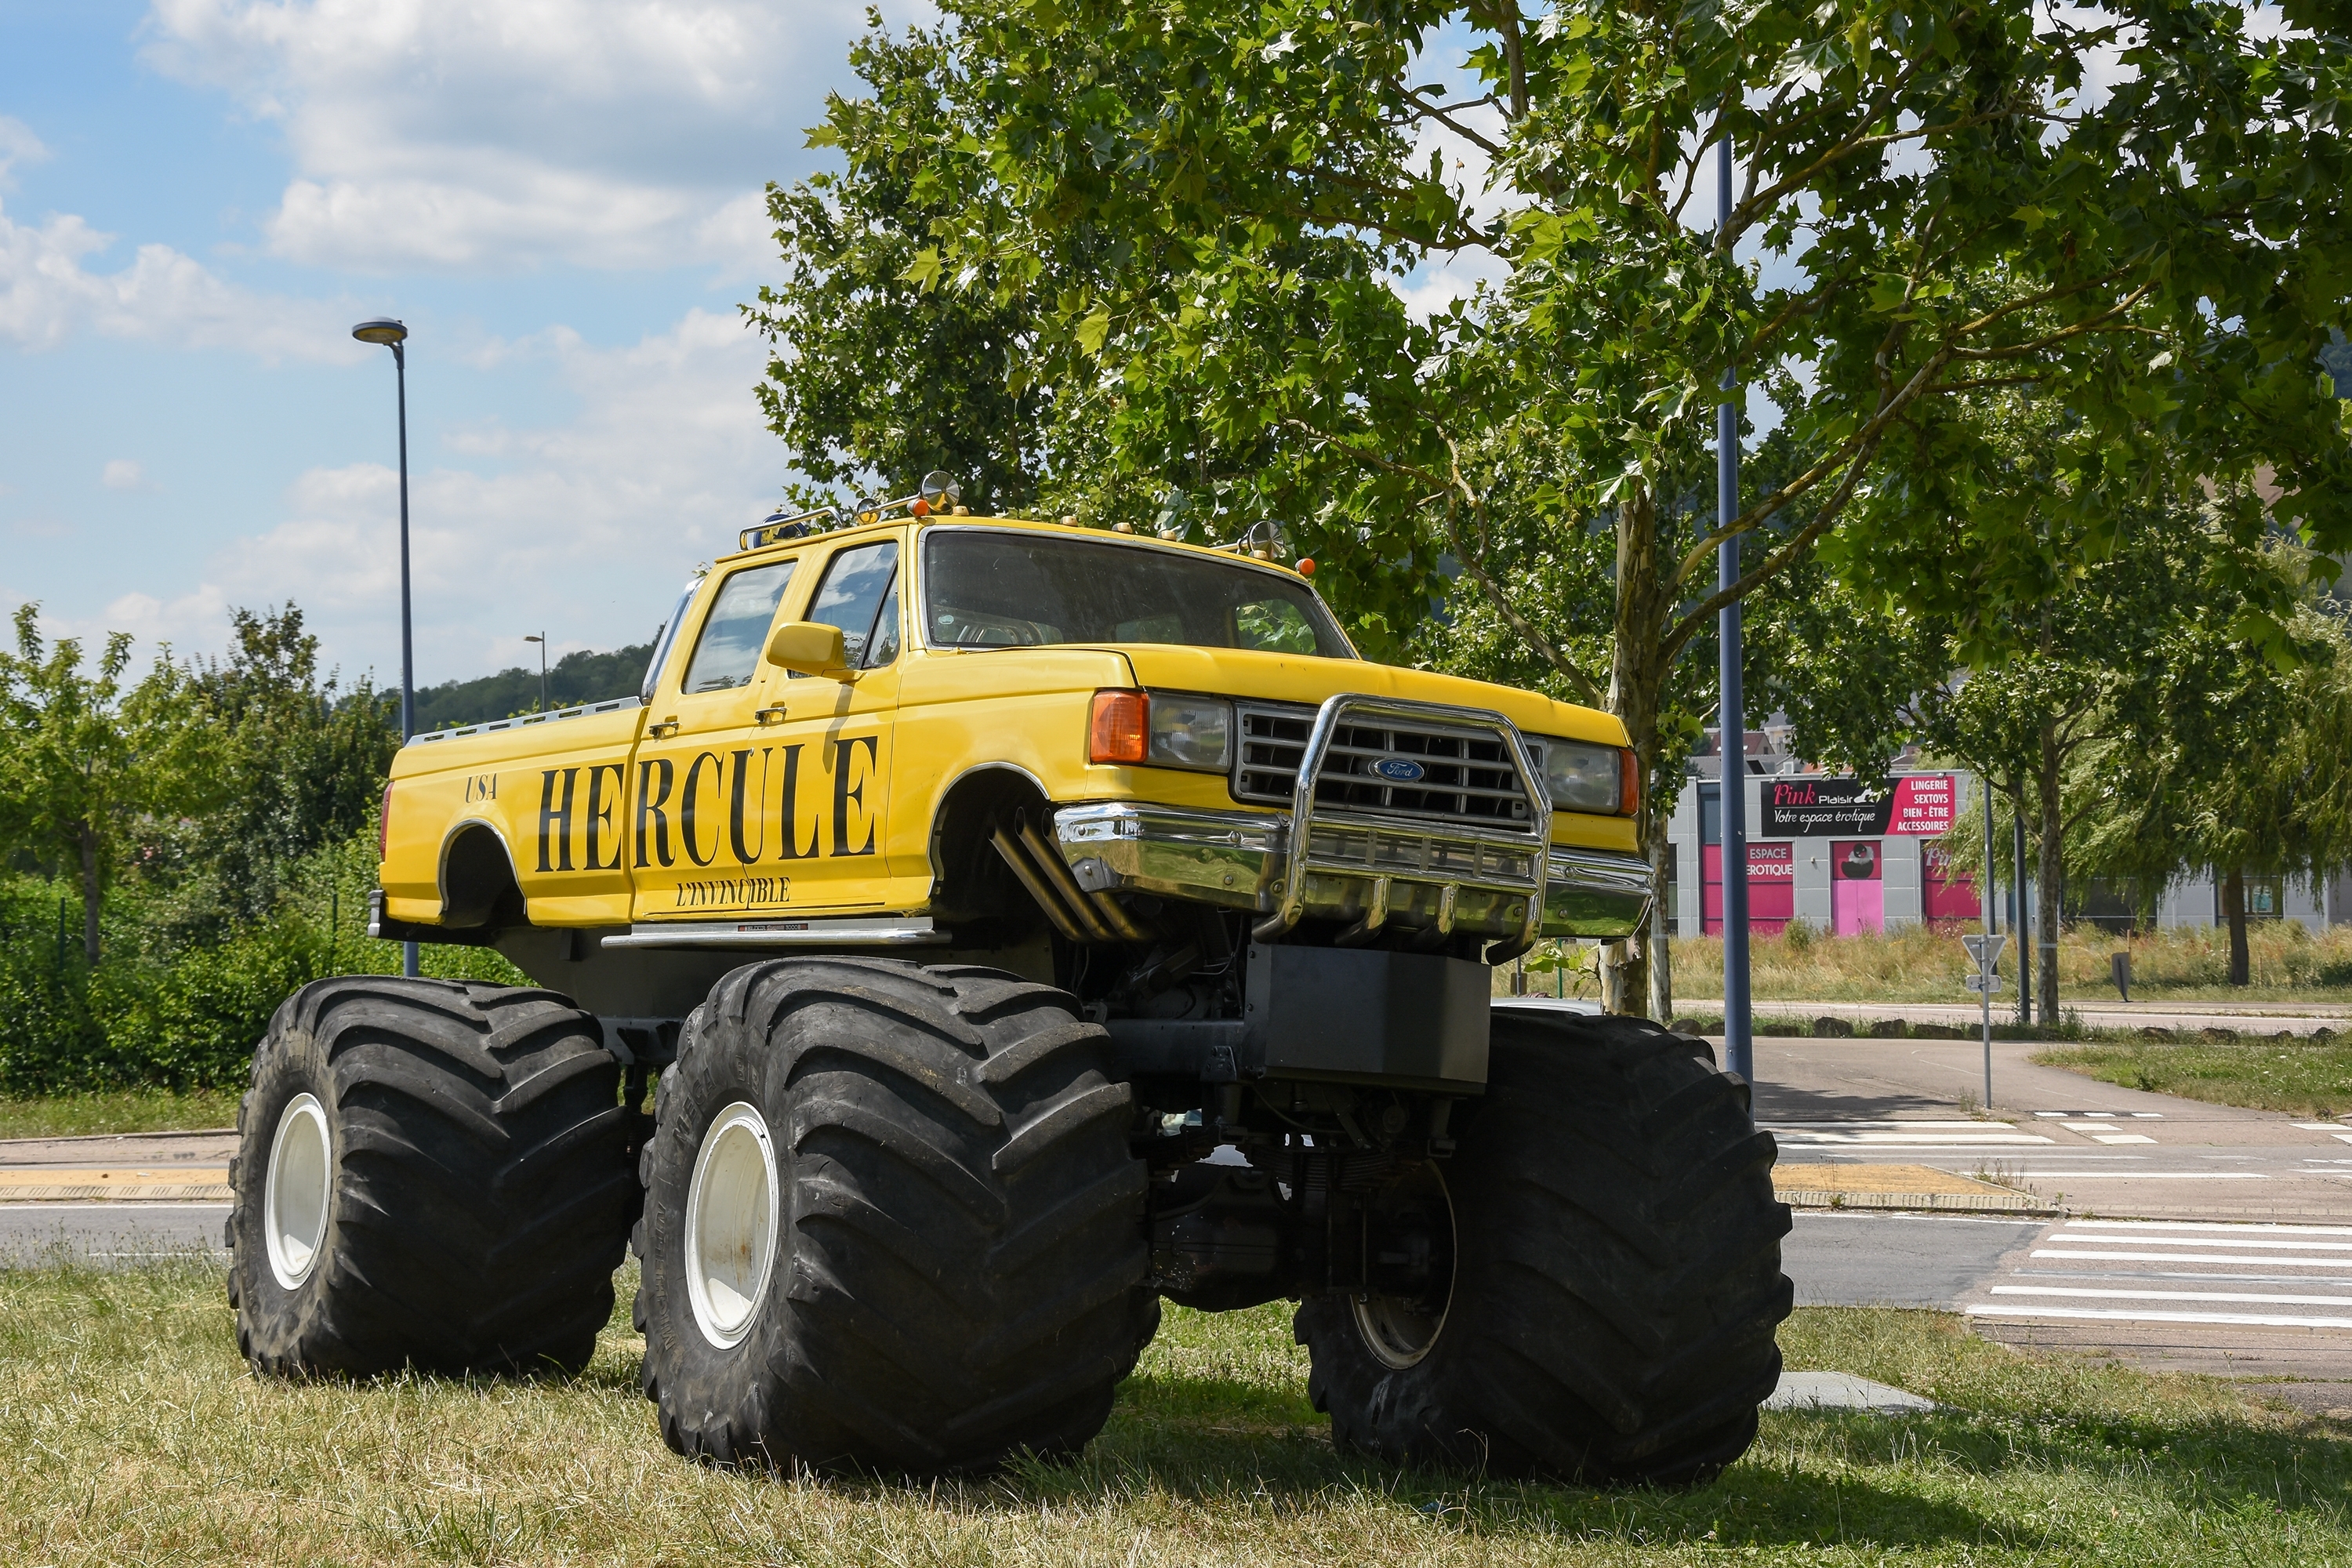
{"x": 120, "y": 1193}
{"x": 1939, "y": 1202}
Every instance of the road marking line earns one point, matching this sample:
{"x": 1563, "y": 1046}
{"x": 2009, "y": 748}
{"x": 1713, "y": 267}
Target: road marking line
{"x": 2242, "y": 1320}
{"x": 1909, "y": 1139}
{"x": 2123, "y": 1138}
{"x": 2261, "y": 1228}
{"x": 2242, "y": 1296}
{"x": 2238, "y": 1258}
{"x": 2159, "y": 1175}
{"x": 2267, "y": 1243}
{"x": 2319, "y": 1127}
{"x": 1888, "y": 1121}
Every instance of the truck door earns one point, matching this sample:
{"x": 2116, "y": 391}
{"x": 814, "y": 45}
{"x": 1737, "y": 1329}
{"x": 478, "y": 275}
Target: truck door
{"x": 830, "y": 770}
{"x": 701, "y": 788}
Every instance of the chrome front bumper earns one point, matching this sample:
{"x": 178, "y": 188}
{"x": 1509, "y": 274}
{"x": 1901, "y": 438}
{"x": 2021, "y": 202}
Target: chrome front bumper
{"x": 1414, "y": 875}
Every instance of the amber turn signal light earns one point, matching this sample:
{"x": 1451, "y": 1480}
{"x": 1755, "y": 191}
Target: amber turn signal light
{"x": 1118, "y": 729}
{"x": 1628, "y": 782}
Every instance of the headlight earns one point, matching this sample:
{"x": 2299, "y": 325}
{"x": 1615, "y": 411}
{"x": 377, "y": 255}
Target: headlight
{"x": 1191, "y": 731}
{"x": 1581, "y": 776}
{"x": 1165, "y": 729}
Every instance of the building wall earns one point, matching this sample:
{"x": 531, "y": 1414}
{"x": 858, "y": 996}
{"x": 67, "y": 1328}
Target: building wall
{"x": 2189, "y": 902}
{"x": 1694, "y": 824}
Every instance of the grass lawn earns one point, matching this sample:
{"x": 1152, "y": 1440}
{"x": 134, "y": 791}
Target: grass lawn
{"x": 2189, "y": 964}
{"x": 137, "y": 1435}
{"x": 126, "y": 1110}
{"x": 2303, "y": 1078}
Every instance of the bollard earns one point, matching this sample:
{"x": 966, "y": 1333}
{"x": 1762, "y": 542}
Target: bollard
{"x": 2120, "y": 966}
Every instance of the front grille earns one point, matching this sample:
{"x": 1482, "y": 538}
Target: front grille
{"x": 1467, "y": 775}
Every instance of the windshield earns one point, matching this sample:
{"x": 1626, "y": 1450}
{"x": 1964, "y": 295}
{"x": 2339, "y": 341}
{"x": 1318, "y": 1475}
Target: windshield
{"x": 990, "y": 589}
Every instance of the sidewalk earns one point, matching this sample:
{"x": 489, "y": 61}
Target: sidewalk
{"x": 2244, "y": 1018}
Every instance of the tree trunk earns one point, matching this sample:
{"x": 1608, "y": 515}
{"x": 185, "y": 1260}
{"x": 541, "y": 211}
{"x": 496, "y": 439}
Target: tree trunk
{"x": 89, "y": 893}
{"x": 1637, "y": 682}
{"x": 2233, "y": 910}
{"x": 2053, "y": 876}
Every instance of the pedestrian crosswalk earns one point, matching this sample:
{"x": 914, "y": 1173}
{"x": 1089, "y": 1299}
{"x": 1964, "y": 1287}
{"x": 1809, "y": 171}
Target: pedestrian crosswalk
{"x": 2178, "y": 1271}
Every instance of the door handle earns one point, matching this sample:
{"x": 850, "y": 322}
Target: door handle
{"x": 774, "y": 715}
{"x": 662, "y": 729}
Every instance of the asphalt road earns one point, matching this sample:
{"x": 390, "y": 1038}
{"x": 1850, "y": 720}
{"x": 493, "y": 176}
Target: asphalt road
{"x": 122, "y": 1234}
{"x": 1897, "y": 1260}
{"x": 2097, "y": 1147}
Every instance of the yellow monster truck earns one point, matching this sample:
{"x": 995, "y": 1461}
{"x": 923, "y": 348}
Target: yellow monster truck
{"x": 1018, "y": 925}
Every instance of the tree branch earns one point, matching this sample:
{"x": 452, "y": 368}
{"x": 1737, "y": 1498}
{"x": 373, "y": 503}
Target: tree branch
{"x": 1851, "y": 449}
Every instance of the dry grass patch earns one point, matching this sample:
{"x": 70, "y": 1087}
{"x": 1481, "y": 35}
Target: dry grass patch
{"x": 2191, "y": 964}
{"x": 136, "y": 1435}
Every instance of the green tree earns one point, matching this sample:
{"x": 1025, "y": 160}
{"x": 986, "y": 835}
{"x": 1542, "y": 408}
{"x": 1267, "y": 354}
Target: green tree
{"x": 290, "y": 763}
{"x": 85, "y": 766}
{"x": 1203, "y": 211}
{"x": 2248, "y": 772}
{"x": 876, "y": 377}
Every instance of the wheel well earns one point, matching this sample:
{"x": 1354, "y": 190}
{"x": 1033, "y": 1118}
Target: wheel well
{"x": 970, "y": 880}
{"x": 477, "y": 881}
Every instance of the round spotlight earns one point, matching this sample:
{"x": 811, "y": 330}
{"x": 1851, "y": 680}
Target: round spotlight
{"x": 383, "y": 330}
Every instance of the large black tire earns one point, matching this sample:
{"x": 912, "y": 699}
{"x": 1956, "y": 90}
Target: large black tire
{"x": 480, "y": 1185}
{"x": 959, "y": 1271}
{"x": 1617, "y": 1272}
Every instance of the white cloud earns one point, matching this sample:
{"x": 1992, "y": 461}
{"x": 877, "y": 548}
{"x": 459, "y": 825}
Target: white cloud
{"x": 48, "y": 294}
{"x": 449, "y": 133}
{"x": 123, "y": 474}
{"x": 585, "y": 529}
{"x": 17, "y": 145}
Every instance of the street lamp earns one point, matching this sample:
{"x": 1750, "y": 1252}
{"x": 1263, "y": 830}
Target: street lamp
{"x": 392, "y": 334}
{"x": 1731, "y": 709}
{"x": 542, "y": 641}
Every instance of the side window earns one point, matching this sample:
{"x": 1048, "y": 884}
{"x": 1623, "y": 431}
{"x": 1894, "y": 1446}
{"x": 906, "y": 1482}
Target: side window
{"x": 729, "y": 650}
{"x": 860, "y": 595}
{"x": 663, "y": 637}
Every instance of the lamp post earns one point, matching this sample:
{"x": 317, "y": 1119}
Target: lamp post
{"x": 542, "y": 641}
{"x": 1732, "y": 715}
{"x": 392, "y": 334}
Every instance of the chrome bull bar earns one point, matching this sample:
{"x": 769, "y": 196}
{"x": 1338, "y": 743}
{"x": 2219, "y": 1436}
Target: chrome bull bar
{"x": 1494, "y": 854}
{"x": 1371, "y": 869}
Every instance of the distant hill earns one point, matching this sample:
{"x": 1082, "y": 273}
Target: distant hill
{"x": 574, "y": 679}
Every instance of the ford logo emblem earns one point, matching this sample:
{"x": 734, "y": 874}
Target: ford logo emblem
{"x": 1398, "y": 770}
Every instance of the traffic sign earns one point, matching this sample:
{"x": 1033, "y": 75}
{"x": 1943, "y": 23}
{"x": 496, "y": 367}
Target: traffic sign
{"x": 1979, "y": 982}
{"x": 1986, "y": 949}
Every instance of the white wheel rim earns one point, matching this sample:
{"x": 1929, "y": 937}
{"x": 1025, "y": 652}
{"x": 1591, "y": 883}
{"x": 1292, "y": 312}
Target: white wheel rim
{"x": 730, "y": 1224}
{"x": 295, "y": 1195}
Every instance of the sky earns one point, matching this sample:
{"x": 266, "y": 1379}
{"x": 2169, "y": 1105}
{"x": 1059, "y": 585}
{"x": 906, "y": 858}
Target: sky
{"x": 562, "y": 199}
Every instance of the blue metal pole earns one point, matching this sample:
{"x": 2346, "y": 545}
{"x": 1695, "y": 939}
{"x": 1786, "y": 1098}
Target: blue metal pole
{"x": 1738, "y": 1043}
{"x": 408, "y": 955}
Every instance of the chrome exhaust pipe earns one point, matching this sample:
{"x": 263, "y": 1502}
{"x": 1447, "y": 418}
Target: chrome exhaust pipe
{"x": 1095, "y": 910}
{"x": 1017, "y": 860}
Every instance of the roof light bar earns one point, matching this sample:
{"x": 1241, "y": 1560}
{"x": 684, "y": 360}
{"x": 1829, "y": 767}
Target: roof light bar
{"x": 779, "y": 526}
